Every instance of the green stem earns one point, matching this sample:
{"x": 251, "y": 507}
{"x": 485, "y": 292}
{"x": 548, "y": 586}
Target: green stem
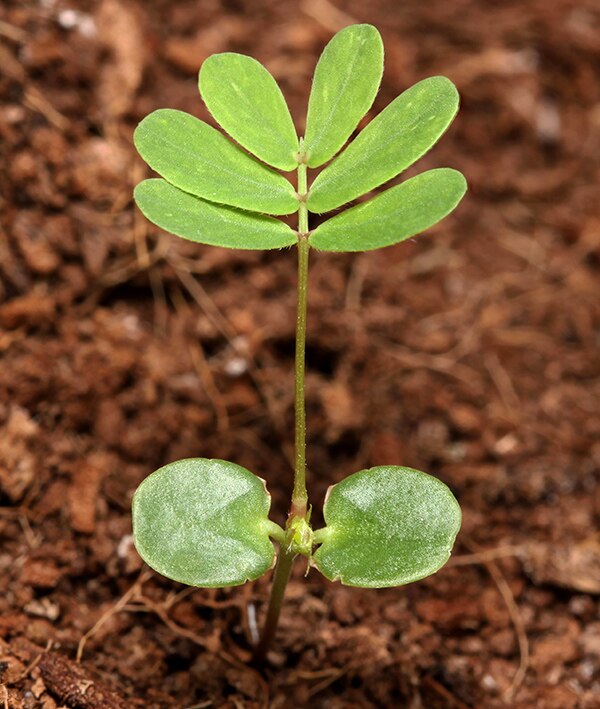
{"x": 280, "y": 579}
{"x": 299, "y": 506}
{"x": 299, "y": 495}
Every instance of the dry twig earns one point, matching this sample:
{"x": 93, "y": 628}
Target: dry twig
{"x": 327, "y": 14}
{"x": 118, "y": 606}
{"x": 515, "y": 617}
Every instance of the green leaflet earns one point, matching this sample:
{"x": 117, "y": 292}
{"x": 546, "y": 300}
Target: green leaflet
{"x": 344, "y": 86}
{"x": 386, "y": 526}
{"x": 198, "y": 159}
{"x": 395, "y": 215}
{"x": 394, "y": 140}
{"x": 246, "y": 100}
{"x": 208, "y": 223}
{"x": 204, "y": 522}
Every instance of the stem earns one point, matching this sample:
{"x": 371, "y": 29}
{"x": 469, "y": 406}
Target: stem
{"x": 299, "y": 495}
{"x": 280, "y": 579}
{"x": 299, "y": 506}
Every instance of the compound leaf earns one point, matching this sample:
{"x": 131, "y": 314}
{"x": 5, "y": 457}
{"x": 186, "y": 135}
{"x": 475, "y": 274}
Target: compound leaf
{"x": 245, "y": 99}
{"x": 386, "y": 526}
{"x": 395, "y": 215}
{"x": 344, "y": 86}
{"x": 198, "y": 159}
{"x": 204, "y": 523}
{"x": 403, "y": 132}
{"x": 207, "y": 223}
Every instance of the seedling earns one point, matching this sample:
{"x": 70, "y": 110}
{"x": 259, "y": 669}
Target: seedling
{"x": 205, "y": 522}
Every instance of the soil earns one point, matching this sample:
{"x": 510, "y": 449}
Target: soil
{"x": 470, "y": 352}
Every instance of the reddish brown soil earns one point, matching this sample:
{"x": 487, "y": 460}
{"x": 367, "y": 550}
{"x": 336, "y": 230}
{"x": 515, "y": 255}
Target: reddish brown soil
{"x": 470, "y": 352}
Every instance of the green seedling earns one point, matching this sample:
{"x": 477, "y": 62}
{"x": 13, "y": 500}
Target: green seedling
{"x": 205, "y": 522}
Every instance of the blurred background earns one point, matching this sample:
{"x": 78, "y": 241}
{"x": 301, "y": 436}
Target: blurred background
{"x": 470, "y": 352}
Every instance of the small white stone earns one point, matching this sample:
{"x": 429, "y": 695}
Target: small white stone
{"x": 489, "y": 683}
{"x": 236, "y": 366}
{"x": 125, "y": 546}
{"x": 75, "y": 20}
